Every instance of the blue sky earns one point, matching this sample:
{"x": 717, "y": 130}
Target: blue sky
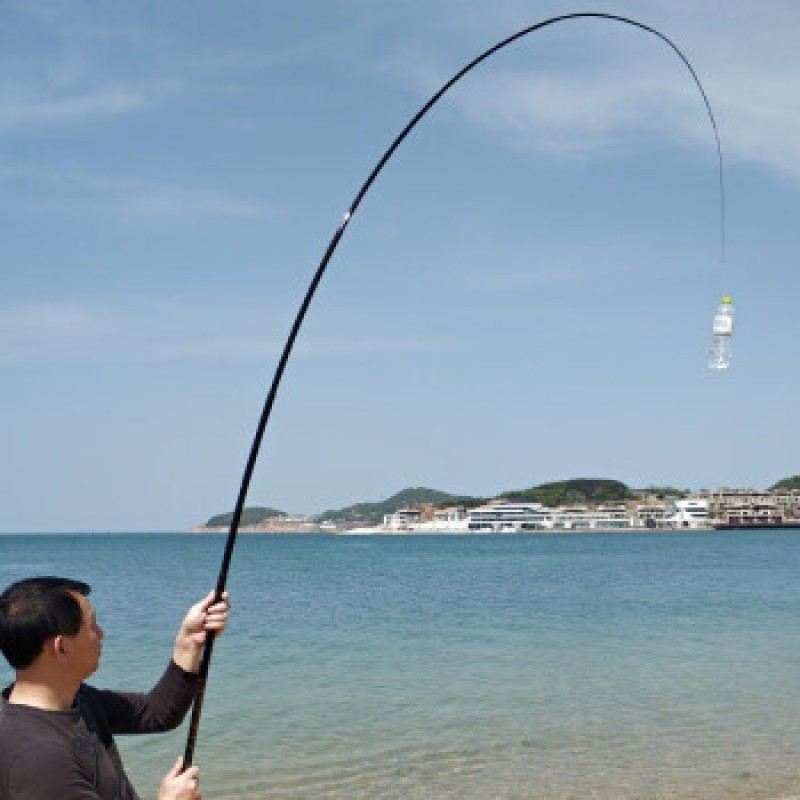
{"x": 525, "y": 294}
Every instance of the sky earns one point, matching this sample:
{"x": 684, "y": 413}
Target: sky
{"x": 524, "y": 295}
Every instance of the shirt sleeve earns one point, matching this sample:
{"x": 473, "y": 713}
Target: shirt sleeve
{"x": 161, "y": 709}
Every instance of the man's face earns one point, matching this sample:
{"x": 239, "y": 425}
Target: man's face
{"x": 85, "y": 647}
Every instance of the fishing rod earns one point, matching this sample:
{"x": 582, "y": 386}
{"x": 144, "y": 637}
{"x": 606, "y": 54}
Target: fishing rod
{"x": 323, "y": 264}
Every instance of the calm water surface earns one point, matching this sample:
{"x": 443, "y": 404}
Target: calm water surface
{"x": 653, "y": 665}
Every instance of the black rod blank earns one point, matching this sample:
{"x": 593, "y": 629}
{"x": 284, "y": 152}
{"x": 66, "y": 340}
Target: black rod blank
{"x": 333, "y": 244}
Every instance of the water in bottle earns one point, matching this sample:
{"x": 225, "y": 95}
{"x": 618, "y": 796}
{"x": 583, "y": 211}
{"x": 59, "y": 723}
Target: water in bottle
{"x": 719, "y": 355}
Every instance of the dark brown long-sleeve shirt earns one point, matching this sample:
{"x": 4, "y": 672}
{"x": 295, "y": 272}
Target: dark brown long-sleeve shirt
{"x": 71, "y": 755}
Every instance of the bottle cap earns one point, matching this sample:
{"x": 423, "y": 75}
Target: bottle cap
{"x": 727, "y": 300}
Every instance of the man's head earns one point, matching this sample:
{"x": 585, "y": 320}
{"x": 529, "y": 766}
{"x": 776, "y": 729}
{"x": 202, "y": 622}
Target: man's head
{"x": 36, "y": 610}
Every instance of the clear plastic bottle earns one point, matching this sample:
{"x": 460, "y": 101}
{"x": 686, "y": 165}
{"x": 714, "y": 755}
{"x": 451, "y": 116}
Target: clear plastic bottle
{"x": 719, "y": 355}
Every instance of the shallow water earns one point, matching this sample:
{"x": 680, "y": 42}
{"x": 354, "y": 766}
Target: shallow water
{"x": 631, "y": 665}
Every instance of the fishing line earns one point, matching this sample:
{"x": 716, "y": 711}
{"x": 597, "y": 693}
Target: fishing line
{"x": 333, "y": 244}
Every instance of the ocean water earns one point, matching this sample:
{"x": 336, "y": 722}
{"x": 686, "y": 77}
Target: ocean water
{"x": 607, "y": 666}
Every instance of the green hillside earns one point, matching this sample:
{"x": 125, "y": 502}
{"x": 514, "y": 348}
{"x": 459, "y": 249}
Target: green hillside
{"x": 373, "y": 513}
{"x": 787, "y": 484}
{"x": 662, "y": 492}
{"x": 579, "y": 491}
{"x": 250, "y": 516}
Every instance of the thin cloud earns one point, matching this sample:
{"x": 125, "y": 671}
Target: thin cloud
{"x": 84, "y": 333}
{"x": 157, "y": 200}
{"x": 609, "y": 96}
{"x": 593, "y": 105}
{"x": 372, "y": 346}
{"x": 24, "y": 112}
{"x": 126, "y": 198}
{"x": 253, "y": 348}
{"x": 570, "y": 115}
{"x": 761, "y": 120}
{"x": 30, "y": 332}
{"x": 202, "y": 349}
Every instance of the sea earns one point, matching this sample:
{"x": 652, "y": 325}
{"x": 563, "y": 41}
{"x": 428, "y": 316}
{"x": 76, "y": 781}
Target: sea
{"x": 607, "y": 666}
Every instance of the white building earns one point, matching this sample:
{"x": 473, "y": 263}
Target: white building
{"x": 653, "y": 516}
{"x": 691, "y": 512}
{"x": 448, "y": 519}
{"x": 609, "y": 517}
{"x": 404, "y": 519}
{"x": 501, "y": 517}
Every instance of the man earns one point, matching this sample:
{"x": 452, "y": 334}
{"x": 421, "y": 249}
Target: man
{"x": 56, "y": 733}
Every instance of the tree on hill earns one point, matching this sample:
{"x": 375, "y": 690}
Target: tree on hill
{"x": 250, "y": 516}
{"x": 583, "y": 491}
{"x": 373, "y": 513}
{"x": 661, "y": 492}
{"x": 787, "y": 484}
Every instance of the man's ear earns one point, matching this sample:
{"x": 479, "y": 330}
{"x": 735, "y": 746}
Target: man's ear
{"x": 59, "y": 647}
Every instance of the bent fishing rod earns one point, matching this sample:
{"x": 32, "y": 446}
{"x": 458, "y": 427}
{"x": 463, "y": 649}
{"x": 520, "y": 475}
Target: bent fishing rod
{"x": 320, "y": 271}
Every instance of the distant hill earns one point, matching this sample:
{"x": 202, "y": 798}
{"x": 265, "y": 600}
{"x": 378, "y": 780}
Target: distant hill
{"x": 372, "y": 513}
{"x": 787, "y": 484}
{"x": 250, "y": 516}
{"x": 662, "y": 492}
{"x": 579, "y": 491}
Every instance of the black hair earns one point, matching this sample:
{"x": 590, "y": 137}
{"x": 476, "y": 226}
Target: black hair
{"x": 34, "y": 610}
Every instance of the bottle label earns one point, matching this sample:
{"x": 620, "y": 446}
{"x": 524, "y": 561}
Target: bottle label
{"x": 723, "y": 325}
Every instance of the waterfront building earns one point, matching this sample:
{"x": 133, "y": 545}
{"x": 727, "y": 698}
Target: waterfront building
{"x": 604, "y": 517}
{"x": 652, "y": 515}
{"x": 751, "y": 515}
{"x": 449, "y": 519}
{"x": 506, "y": 517}
{"x": 722, "y": 508}
{"x": 404, "y": 519}
{"x": 690, "y": 512}
{"x": 747, "y": 503}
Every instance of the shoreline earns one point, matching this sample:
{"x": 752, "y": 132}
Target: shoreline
{"x": 317, "y": 531}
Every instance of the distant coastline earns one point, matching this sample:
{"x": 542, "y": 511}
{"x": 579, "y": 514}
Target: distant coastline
{"x": 266, "y": 527}
{"x": 578, "y": 505}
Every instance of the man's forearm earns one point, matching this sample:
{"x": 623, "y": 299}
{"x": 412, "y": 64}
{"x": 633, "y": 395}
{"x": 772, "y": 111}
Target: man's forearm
{"x": 187, "y": 653}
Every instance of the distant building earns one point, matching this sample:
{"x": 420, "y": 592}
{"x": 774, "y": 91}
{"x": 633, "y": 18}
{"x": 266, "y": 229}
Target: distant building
{"x": 653, "y": 515}
{"x": 722, "y": 508}
{"x": 604, "y": 517}
{"x": 690, "y": 512}
{"x": 404, "y": 519}
{"x": 725, "y": 504}
{"x": 507, "y": 517}
{"x": 449, "y": 519}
